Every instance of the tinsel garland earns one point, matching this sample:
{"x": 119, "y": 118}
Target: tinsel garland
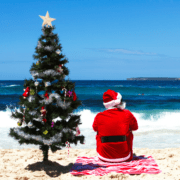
{"x": 49, "y": 72}
{"x": 31, "y": 98}
{"x": 39, "y": 45}
{"x": 56, "y": 138}
{"x": 49, "y": 48}
{"x": 63, "y": 105}
{"x": 33, "y": 113}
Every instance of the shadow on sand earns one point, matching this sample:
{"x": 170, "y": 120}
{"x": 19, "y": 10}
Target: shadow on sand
{"x": 52, "y": 169}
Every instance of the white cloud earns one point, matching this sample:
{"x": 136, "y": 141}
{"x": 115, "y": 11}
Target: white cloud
{"x": 125, "y": 51}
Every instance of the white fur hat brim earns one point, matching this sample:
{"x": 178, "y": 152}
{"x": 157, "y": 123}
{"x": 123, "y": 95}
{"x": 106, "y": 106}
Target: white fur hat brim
{"x": 113, "y": 102}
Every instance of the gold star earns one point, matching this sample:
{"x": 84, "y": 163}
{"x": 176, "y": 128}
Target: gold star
{"x": 47, "y": 19}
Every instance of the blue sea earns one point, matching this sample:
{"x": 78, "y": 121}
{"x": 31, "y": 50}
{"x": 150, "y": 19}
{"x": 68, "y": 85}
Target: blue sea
{"x": 155, "y": 104}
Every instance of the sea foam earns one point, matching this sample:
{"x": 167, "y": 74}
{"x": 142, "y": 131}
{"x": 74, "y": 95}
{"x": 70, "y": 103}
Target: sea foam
{"x": 163, "y": 120}
{"x": 157, "y": 131}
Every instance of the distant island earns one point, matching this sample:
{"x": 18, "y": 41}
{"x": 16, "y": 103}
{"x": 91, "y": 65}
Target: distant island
{"x": 153, "y": 79}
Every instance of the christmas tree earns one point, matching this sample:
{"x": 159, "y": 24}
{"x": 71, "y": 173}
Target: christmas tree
{"x": 46, "y": 97}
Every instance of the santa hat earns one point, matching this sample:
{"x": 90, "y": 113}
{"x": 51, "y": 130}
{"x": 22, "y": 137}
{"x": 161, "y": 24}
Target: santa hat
{"x": 112, "y": 98}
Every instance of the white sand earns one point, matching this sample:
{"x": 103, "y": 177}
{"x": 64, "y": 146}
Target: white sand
{"x": 26, "y": 164}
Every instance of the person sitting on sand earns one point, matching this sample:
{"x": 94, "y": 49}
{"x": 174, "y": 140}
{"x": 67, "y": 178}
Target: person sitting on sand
{"x": 114, "y": 139}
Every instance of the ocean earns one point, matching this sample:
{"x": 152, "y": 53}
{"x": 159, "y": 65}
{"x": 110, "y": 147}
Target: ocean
{"x": 155, "y": 104}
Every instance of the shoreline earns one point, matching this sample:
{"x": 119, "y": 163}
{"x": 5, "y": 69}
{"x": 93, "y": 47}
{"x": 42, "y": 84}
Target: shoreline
{"x": 26, "y": 164}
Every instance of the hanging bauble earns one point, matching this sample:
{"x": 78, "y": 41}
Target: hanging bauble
{"x": 32, "y": 92}
{"x": 46, "y": 95}
{"x": 52, "y": 124}
{"x": 43, "y": 111}
{"x": 19, "y": 123}
{"x": 69, "y": 93}
{"x": 77, "y": 131}
{"x": 30, "y": 124}
{"x": 45, "y": 120}
{"x": 26, "y": 93}
{"x": 74, "y": 96}
{"x": 27, "y": 109}
{"x": 47, "y": 84}
{"x": 36, "y": 83}
{"x": 37, "y": 63}
{"x": 58, "y": 51}
{"x": 67, "y": 144}
{"x": 60, "y": 69}
{"x": 45, "y": 132}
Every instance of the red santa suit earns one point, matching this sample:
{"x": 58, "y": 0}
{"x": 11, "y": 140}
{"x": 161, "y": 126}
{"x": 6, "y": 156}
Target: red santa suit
{"x": 114, "y": 138}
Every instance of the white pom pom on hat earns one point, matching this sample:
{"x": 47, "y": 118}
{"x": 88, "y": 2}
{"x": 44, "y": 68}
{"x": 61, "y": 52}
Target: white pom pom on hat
{"x": 111, "y": 98}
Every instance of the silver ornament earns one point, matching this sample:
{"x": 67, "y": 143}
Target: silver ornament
{"x": 36, "y": 83}
{"x": 47, "y": 84}
{"x": 30, "y": 124}
{"x": 58, "y": 51}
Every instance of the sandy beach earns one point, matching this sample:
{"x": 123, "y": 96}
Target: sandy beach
{"x": 26, "y": 164}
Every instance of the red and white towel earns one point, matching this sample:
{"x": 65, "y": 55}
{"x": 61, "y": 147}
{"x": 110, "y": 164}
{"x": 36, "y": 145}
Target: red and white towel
{"x": 94, "y": 166}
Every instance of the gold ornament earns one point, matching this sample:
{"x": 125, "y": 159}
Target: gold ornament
{"x": 45, "y": 132}
{"x": 32, "y": 92}
{"x": 37, "y": 63}
{"x": 27, "y": 109}
{"x": 19, "y": 123}
{"x": 47, "y": 19}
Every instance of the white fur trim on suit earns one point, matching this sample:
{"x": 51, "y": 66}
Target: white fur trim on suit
{"x": 114, "y": 160}
{"x": 122, "y": 106}
{"x": 113, "y": 102}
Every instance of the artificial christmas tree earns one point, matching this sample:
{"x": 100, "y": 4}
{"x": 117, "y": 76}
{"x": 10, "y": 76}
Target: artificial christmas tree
{"x": 48, "y": 96}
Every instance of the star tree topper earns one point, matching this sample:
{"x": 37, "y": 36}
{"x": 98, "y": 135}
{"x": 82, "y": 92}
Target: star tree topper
{"x": 47, "y": 19}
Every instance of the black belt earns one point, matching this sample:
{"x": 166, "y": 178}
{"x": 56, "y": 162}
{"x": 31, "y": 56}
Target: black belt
{"x": 113, "y": 139}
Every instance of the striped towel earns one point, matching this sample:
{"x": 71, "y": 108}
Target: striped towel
{"x": 94, "y": 166}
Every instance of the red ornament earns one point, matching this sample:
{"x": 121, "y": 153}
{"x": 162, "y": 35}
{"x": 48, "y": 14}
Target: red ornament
{"x": 43, "y": 111}
{"x": 45, "y": 120}
{"x": 59, "y": 69}
{"x": 26, "y": 93}
{"x": 74, "y": 96}
{"x": 77, "y": 131}
{"x": 46, "y": 95}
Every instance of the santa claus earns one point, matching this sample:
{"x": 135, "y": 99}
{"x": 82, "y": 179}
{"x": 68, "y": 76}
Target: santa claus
{"x": 114, "y": 139}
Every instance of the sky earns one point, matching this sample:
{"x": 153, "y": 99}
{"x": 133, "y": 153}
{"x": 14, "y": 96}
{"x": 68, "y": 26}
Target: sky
{"x": 102, "y": 39}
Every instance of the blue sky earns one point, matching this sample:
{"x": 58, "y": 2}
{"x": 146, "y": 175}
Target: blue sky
{"x": 102, "y": 39}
